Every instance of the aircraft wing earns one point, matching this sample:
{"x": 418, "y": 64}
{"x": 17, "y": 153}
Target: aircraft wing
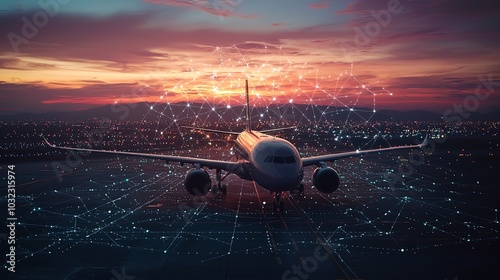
{"x": 315, "y": 160}
{"x": 232, "y": 167}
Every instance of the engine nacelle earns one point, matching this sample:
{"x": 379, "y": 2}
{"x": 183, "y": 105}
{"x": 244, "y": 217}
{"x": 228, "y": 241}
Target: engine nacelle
{"x": 326, "y": 179}
{"x": 197, "y": 182}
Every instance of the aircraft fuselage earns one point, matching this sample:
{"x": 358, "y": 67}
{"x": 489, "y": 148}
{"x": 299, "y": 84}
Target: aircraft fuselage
{"x": 274, "y": 163}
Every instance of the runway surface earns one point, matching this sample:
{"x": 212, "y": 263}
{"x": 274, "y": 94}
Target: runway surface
{"x": 120, "y": 218}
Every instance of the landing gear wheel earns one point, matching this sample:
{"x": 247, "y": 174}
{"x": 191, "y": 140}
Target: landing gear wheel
{"x": 278, "y": 207}
{"x": 218, "y": 176}
{"x": 277, "y": 203}
{"x": 223, "y": 189}
{"x": 301, "y": 189}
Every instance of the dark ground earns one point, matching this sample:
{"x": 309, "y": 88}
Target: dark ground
{"x": 120, "y": 218}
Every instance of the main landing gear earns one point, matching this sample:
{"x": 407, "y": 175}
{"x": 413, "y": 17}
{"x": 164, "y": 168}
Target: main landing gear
{"x": 300, "y": 189}
{"x": 219, "y": 187}
{"x": 277, "y": 203}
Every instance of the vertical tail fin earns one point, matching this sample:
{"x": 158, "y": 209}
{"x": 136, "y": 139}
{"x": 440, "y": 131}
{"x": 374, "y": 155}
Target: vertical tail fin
{"x": 248, "y": 126}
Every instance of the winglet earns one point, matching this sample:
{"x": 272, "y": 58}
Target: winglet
{"x": 46, "y": 141}
{"x": 426, "y": 141}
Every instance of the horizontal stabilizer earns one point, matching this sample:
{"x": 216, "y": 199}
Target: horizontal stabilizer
{"x": 211, "y": 130}
{"x": 277, "y": 129}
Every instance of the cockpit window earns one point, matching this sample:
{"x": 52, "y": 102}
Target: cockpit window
{"x": 269, "y": 159}
{"x": 280, "y": 160}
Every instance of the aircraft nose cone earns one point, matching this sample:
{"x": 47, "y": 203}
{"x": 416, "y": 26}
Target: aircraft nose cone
{"x": 278, "y": 166}
{"x": 282, "y": 177}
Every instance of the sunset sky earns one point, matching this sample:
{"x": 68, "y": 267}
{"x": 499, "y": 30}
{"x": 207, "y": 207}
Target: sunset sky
{"x": 71, "y": 54}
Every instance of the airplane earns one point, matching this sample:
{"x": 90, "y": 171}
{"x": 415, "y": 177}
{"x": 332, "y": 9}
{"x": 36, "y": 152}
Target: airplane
{"x": 272, "y": 162}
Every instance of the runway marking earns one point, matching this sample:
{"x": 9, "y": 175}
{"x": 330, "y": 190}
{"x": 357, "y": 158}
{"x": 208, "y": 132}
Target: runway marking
{"x": 288, "y": 231}
{"x": 130, "y": 212}
{"x": 198, "y": 210}
{"x": 234, "y": 231}
{"x": 236, "y": 220}
{"x": 269, "y": 229}
{"x": 65, "y": 174}
{"x": 320, "y": 239}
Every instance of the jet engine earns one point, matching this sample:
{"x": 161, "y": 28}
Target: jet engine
{"x": 197, "y": 182}
{"x": 326, "y": 179}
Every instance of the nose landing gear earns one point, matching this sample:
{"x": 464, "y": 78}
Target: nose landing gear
{"x": 277, "y": 203}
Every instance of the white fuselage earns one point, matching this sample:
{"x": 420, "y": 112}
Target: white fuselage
{"x": 274, "y": 163}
